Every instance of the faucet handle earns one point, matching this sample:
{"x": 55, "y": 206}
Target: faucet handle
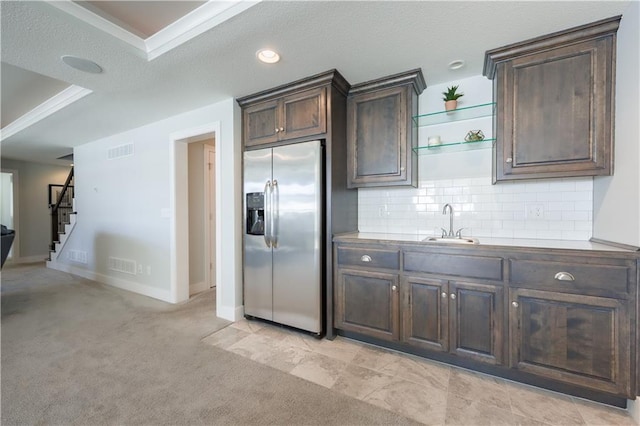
{"x": 459, "y": 233}
{"x": 444, "y": 232}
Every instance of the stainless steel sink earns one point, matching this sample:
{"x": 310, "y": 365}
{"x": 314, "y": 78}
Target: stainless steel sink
{"x": 450, "y": 240}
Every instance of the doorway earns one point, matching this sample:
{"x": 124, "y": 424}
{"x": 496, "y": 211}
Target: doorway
{"x": 201, "y": 167}
{"x": 9, "y": 206}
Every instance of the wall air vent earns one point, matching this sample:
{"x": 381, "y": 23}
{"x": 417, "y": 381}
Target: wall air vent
{"x": 122, "y": 265}
{"x": 120, "y": 151}
{"x": 77, "y": 256}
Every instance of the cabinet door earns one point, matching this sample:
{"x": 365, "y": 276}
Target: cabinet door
{"x": 555, "y": 113}
{"x": 367, "y": 302}
{"x": 582, "y": 340}
{"x": 377, "y": 138}
{"x": 425, "y": 306}
{"x": 305, "y": 114}
{"x": 476, "y": 321}
{"x": 261, "y": 123}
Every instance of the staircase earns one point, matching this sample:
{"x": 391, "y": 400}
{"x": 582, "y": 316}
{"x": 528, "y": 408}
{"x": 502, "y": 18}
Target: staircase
{"x": 63, "y": 219}
{"x": 63, "y": 236}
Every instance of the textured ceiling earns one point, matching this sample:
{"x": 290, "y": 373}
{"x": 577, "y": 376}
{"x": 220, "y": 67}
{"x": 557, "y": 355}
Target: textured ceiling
{"x": 143, "y": 18}
{"x": 363, "y": 40}
{"x": 24, "y": 90}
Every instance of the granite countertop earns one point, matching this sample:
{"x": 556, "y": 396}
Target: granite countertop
{"x": 487, "y": 241}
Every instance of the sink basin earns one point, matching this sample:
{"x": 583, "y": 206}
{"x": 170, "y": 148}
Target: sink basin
{"x": 445, "y": 240}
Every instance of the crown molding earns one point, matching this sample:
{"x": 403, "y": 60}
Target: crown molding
{"x": 45, "y": 109}
{"x": 193, "y": 24}
{"x": 196, "y": 22}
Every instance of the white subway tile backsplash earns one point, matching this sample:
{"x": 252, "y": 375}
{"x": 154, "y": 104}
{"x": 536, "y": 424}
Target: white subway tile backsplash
{"x": 483, "y": 209}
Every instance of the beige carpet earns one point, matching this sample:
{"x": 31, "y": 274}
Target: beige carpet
{"x": 77, "y": 352}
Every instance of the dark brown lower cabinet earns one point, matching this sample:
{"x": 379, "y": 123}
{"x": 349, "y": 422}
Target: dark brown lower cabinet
{"x": 572, "y": 338}
{"x": 462, "y": 318}
{"x": 367, "y": 302}
{"x": 565, "y": 320}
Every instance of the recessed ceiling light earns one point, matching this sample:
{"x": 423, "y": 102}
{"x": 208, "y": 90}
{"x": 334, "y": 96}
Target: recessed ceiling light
{"x": 268, "y": 56}
{"x": 456, "y": 65}
{"x": 82, "y": 64}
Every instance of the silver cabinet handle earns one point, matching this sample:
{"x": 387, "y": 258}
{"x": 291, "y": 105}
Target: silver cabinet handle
{"x": 282, "y": 129}
{"x": 509, "y": 160}
{"x": 365, "y": 258}
{"x": 514, "y": 304}
{"x": 267, "y": 213}
{"x": 394, "y": 288}
{"x": 275, "y": 212}
{"x": 277, "y": 130}
{"x": 564, "y": 276}
{"x": 444, "y": 295}
{"x": 453, "y": 296}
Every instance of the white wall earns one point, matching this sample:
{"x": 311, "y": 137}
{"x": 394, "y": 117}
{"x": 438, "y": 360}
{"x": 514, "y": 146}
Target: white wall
{"x": 33, "y": 233}
{"x": 617, "y": 197}
{"x": 125, "y": 208}
{"x": 463, "y": 179}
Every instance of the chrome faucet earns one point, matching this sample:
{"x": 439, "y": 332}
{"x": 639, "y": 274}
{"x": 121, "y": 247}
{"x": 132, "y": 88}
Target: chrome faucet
{"x": 444, "y": 231}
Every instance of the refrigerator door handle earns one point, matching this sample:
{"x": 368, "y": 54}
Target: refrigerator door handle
{"x": 267, "y": 213}
{"x": 275, "y": 211}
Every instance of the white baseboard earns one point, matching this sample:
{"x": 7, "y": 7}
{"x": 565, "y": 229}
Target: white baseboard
{"x": 197, "y": 288}
{"x": 634, "y": 409}
{"x": 28, "y": 259}
{"x": 230, "y": 313}
{"x": 131, "y": 286}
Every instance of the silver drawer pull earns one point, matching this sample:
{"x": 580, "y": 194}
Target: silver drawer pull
{"x": 365, "y": 258}
{"x": 564, "y": 276}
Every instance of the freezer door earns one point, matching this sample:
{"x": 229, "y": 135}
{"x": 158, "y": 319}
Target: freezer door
{"x": 297, "y": 231}
{"x": 258, "y": 294}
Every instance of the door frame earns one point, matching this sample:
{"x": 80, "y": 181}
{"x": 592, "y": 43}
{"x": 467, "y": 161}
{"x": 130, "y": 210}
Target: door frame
{"x": 179, "y": 210}
{"x": 210, "y": 195}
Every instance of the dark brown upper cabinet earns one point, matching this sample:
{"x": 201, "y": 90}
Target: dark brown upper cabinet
{"x": 380, "y": 131}
{"x": 290, "y": 117}
{"x": 555, "y": 103}
{"x": 292, "y": 112}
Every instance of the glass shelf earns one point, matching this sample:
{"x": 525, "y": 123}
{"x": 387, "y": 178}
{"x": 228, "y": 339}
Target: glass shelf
{"x": 464, "y": 113}
{"x": 454, "y": 147}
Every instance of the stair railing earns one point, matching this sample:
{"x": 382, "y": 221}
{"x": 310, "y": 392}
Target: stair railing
{"x": 58, "y": 208}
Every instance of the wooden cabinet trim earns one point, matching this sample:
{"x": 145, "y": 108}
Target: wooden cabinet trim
{"x": 341, "y": 312}
{"x": 619, "y": 382}
{"x": 601, "y": 28}
{"x": 589, "y": 279}
{"x": 439, "y": 327}
{"x": 532, "y": 138}
{"x": 487, "y": 268}
{"x": 369, "y": 258}
{"x": 380, "y": 132}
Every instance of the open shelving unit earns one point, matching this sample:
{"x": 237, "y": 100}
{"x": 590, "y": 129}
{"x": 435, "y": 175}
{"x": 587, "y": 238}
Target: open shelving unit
{"x": 454, "y": 116}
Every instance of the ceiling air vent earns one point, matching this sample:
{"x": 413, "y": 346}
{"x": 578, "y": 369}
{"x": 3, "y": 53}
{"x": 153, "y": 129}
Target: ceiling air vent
{"x": 122, "y": 265}
{"x": 120, "y": 151}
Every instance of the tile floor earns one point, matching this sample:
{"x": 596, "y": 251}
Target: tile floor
{"x": 423, "y": 390}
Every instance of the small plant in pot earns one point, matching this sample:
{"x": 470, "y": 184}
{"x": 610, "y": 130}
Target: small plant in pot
{"x": 451, "y": 97}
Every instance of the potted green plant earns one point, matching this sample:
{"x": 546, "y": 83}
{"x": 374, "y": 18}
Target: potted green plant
{"x": 451, "y": 97}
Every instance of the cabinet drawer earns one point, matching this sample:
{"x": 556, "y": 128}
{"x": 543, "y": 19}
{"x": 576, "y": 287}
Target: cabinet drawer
{"x": 571, "y": 277}
{"x": 489, "y": 268}
{"x": 373, "y": 258}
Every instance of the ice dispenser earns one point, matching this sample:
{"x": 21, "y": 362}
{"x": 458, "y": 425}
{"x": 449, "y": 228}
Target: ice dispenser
{"x": 255, "y": 213}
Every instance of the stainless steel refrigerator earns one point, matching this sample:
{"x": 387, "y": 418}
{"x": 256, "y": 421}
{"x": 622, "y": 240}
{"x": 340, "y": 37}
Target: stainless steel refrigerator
{"x": 283, "y": 238}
